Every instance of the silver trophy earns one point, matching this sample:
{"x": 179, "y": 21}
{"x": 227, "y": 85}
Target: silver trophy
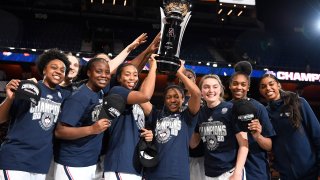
{"x": 174, "y": 19}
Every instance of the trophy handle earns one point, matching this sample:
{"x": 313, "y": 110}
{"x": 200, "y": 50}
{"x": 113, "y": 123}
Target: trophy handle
{"x": 183, "y": 28}
{"x": 163, "y": 22}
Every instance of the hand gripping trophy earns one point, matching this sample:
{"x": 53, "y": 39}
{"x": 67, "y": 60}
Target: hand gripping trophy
{"x": 174, "y": 19}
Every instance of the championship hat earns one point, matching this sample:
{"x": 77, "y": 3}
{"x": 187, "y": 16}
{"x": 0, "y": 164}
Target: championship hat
{"x": 112, "y": 107}
{"x": 147, "y": 153}
{"x": 28, "y": 90}
{"x": 244, "y": 112}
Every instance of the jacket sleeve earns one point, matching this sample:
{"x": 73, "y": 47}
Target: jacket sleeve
{"x": 312, "y": 128}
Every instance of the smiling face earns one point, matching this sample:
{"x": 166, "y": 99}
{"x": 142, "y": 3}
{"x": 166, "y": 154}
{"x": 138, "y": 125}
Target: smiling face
{"x": 54, "y": 73}
{"x": 239, "y": 86}
{"x": 173, "y": 100}
{"x": 211, "y": 91}
{"x": 74, "y": 67}
{"x": 270, "y": 88}
{"x": 99, "y": 75}
{"x": 128, "y": 77}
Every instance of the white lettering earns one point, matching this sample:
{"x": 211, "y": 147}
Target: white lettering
{"x": 30, "y": 86}
{"x": 281, "y": 75}
{"x": 296, "y": 76}
{"x": 305, "y": 77}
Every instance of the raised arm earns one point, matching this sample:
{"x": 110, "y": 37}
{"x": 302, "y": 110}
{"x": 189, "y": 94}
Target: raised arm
{"x": 140, "y": 61}
{"x": 6, "y": 104}
{"x": 146, "y": 107}
{"x": 195, "y": 99}
{"x": 147, "y": 87}
{"x": 114, "y": 63}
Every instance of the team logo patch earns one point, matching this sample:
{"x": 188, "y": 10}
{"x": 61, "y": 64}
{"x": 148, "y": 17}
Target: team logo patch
{"x": 59, "y": 95}
{"x": 224, "y": 110}
{"x": 47, "y": 121}
{"x": 212, "y": 142}
{"x": 49, "y": 96}
{"x": 163, "y": 135}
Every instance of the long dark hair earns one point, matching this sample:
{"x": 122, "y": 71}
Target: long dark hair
{"x": 291, "y": 103}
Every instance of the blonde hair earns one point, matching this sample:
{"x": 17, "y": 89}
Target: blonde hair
{"x": 216, "y": 77}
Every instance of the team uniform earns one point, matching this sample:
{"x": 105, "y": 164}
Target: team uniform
{"x": 296, "y": 151}
{"x": 218, "y": 132}
{"x": 257, "y": 165}
{"x": 28, "y": 148}
{"x": 124, "y": 136}
{"x": 172, "y": 134}
{"x": 78, "y": 158}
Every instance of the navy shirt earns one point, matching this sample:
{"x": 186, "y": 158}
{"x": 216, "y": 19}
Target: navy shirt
{"x": 80, "y": 109}
{"x": 296, "y": 151}
{"x": 172, "y": 134}
{"x": 124, "y": 136}
{"x": 257, "y": 166}
{"x": 28, "y": 145}
{"x": 217, "y": 131}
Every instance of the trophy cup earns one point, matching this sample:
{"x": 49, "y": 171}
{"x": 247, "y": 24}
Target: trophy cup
{"x": 174, "y": 20}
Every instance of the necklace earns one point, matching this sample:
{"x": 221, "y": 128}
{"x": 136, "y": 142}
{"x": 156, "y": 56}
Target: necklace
{"x": 89, "y": 87}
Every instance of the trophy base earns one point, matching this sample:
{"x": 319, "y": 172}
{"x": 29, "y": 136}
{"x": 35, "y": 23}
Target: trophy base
{"x": 167, "y": 65}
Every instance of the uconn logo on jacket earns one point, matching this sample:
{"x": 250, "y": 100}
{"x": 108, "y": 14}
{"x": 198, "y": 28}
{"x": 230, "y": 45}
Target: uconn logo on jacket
{"x": 138, "y": 116}
{"x": 46, "y": 111}
{"x": 213, "y": 132}
{"x": 96, "y": 111}
{"x": 167, "y": 127}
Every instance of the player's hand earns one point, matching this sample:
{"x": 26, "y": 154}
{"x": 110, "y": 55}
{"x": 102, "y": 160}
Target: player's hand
{"x": 137, "y": 42}
{"x": 255, "y": 128}
{"x": 147, "y": 134}
{"x": 11, "y": 87}
{"x": 153, "y": 61}
{"x": 154, "y": 45}
{"x": 100, "y": 126}
{"x": 181, "y": 69}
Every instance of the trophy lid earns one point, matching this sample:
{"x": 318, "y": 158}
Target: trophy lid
{"x": 182, "y": 6}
